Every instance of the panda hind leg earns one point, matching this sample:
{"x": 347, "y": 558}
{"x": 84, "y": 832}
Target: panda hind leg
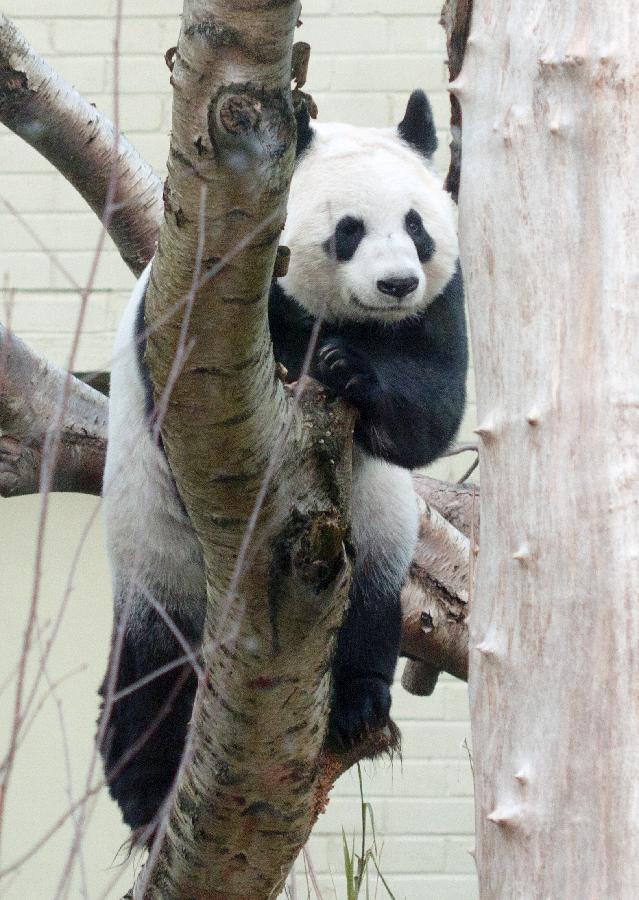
{"x": 384, "y": 529}
{"x": 146, "y": 730}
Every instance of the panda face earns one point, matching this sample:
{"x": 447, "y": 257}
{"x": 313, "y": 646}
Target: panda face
{"x": 370, "y": 229}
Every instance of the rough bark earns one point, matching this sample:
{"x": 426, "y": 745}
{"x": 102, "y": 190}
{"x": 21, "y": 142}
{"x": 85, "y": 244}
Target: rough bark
{"x": 548, "y": 209}
{"x": 81, "y": 143}
{"x": 435, "y": 600}
{"x": 459, "y": 503}
{"x": 244, "y": 804}
{"x": 78, "y": 469}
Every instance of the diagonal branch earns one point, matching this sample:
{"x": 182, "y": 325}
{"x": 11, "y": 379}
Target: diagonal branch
{"x": 30, "y": 389}
{"x": 271, "y": 511}
{"x": 51, "y": 116}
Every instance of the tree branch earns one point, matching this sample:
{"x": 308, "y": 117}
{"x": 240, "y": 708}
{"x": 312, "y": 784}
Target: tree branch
{"x": 81, "y": 143}
{"x": 79, "y": 465}
{"x": 458, "y": 503}
{"x": 435, "y": 600}
{"x": 30, "y": 389}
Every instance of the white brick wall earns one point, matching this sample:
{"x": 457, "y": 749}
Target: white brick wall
{"x": 367, "y": 55}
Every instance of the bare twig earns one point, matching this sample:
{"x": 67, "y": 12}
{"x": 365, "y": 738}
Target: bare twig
{"x": 469, "y": 447}
{"x": 469, "y": 471}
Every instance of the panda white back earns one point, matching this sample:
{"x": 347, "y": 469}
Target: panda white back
{"x": 150, "y": 540}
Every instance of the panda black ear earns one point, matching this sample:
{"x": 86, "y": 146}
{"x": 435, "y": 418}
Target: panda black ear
{"x": 417, "y": 127}
{"x": 304, "y": 130}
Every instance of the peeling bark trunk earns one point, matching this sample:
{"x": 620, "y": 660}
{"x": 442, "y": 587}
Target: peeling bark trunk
{"x": 52, "y": 117}
{"x": 548, "y": 209}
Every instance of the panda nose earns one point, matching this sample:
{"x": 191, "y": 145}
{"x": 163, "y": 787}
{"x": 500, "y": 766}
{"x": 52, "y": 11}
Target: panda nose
{"x": 398, "y": 287}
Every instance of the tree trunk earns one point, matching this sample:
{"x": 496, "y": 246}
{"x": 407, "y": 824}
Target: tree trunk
{"x": 550, "y": 243}
{"x": 265, "y": 478}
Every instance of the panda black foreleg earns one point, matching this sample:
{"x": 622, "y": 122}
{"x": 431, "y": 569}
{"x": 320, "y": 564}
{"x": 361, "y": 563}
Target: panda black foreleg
{"x": 384, "y": 534}
{"x": 146, "y": 731}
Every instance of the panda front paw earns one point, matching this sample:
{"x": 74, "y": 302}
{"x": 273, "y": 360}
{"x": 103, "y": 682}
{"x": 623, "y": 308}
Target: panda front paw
{"x": 347, "y": 373}
{"x": 359, "y": 707}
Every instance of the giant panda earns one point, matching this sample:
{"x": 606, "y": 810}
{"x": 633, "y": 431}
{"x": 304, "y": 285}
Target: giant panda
{"x": 374, "y": 257}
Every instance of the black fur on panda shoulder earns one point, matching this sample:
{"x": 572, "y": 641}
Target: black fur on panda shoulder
{"x": 406, "y": 379}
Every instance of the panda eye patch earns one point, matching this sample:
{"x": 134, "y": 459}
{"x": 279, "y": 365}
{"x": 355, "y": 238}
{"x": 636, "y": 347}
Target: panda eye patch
{"x": 424, "y": 244}
{"x": 346, "y": 239}
{"x": 414, "y": 222}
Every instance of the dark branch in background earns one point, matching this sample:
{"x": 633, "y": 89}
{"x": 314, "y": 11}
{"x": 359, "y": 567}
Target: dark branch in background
{"x": 455, "y": 19}
{"x": 55, "y": 120}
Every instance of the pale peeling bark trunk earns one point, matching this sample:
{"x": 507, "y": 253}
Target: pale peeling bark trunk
{"x": 548, "y": 213}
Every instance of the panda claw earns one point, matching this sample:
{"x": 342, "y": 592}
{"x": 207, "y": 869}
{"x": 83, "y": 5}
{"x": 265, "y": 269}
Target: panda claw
{"x": 332, "y": 356}
{"x": 355, "y": 381}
